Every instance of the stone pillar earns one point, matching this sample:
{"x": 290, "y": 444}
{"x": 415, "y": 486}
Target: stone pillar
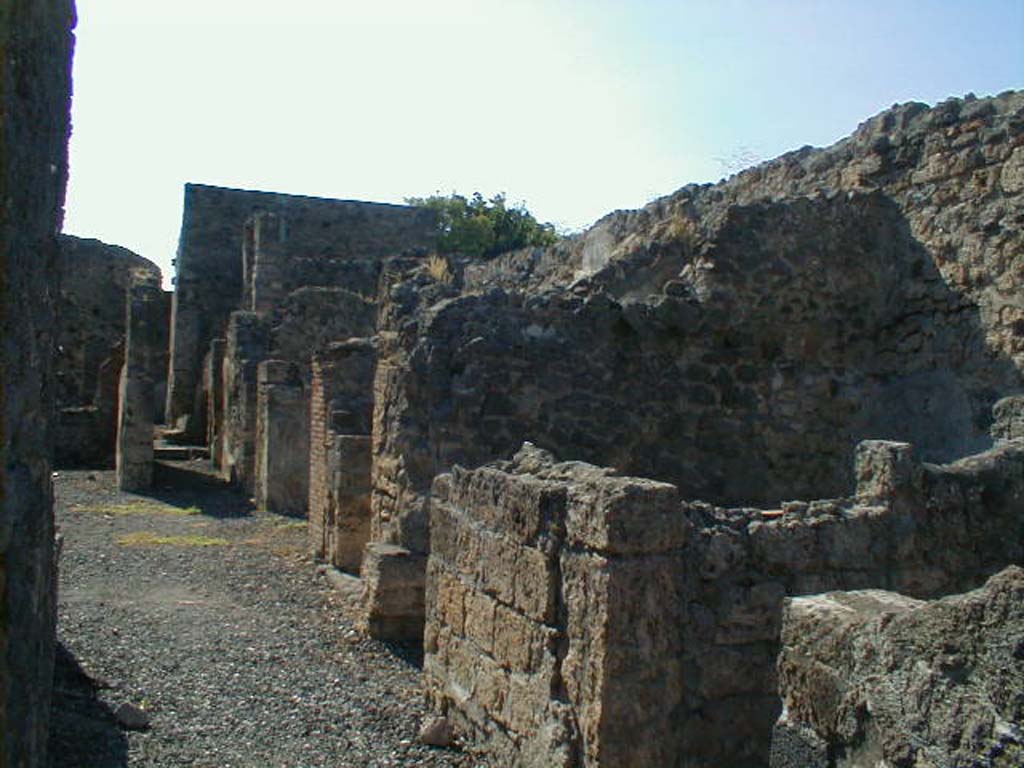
{"x": 214, "y": 380}
{"x": 340, "y": 452}
{"x": 247, "y": 344}
{"x": 555, "y": 612}
{"x": 136, "y": 406}
{"x": 35, "y": 80}
{"x": 282, "y": 439}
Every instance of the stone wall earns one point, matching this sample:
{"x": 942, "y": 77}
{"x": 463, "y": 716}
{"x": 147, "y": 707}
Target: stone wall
{"x": 737, "y": 340}
{"x": 822, "y": 323}
{"x": 340, "y": 451}
{"x": 94, "y": 278}
{"x": 572, "y": 613}
{"x": 35, "y": 81}
{"x": 211, "y": 271}
{"x": 952, "y": 692}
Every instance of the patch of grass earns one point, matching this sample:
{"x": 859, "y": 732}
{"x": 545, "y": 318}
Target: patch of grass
{"x": 439, "y": 269}
{"x": 291, "y": 525}
{"x": 140, "y": 508}
{"x": 150, "y": 539}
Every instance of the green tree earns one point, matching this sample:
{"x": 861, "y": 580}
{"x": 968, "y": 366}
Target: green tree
{"x": 484, "y": 228}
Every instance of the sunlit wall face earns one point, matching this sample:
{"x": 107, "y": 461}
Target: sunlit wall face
{"x": 575, "y": 107}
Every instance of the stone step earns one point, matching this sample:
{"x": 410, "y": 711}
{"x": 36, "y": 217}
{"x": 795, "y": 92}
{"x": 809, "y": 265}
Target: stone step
{"x": 163, "y": 451}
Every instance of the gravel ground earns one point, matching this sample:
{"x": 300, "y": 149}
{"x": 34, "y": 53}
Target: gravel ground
{"x": 212, "y": 619}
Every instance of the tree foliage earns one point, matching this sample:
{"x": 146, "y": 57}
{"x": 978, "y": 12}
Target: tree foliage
{"x": 483, "y": 228}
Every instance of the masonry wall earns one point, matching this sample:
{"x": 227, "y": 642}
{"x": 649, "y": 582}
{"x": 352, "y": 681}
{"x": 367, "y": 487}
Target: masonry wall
{"x": 90, "y": 311}
{"x": 209, "y": 279}
{"x": 577, "y": 618}
{"x": 35, "y": 79}
{"x": 814, "y": 324}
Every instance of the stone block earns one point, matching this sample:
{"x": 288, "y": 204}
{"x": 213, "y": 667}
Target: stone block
{"x": 526, "y": 509}
{"x": 622, "y": 516}
{"x": 395, "y": 583}
{"x": 885, "y": 470}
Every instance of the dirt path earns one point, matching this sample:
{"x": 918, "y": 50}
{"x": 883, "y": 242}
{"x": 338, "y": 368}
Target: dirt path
{"x": 211, "y": 619}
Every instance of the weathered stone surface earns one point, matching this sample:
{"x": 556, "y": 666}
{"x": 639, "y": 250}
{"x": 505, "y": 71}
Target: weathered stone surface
{"x": 35, "y": 80}
{"x": 136, "y": 400}
{"x": 1008, "y": 418}
{"x": 877, "y": 678}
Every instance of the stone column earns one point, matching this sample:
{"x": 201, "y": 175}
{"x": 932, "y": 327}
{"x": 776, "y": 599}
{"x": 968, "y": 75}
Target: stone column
{"x": 282, "y": 439}
{"x": 135, "y": 396}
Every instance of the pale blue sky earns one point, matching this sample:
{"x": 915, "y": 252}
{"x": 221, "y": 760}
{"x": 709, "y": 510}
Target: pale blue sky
{"x": 578, "y": 107}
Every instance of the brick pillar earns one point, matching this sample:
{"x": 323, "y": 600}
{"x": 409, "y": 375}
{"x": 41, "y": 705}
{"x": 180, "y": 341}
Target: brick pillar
{"x": 136, "y": 404}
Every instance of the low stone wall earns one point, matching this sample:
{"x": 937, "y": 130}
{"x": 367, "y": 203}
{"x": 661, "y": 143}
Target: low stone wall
{"x": 880, "y": 678}
{"x": 340, "y": 452}
{"x": 282, "y": 439}
{"x": 653, "y": 623}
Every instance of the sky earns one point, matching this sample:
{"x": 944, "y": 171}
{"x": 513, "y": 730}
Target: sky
{"x": 575, "y": 107}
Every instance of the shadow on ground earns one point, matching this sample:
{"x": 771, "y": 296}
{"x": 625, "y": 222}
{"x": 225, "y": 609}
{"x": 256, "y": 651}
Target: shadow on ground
{"x": 83, "y": 732}
{"x": 193, "y": 484}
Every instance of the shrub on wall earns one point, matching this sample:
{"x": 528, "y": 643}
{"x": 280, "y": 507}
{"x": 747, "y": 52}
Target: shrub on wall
{"x": 483, "y": 228}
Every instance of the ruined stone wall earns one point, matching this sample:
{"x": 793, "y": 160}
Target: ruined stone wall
{"x": 808, "y": 326}
{"x": 952, "y": 692}
{"x": 340, "y": 450}
{"x": 35, "y": 80}
{"x": 94, "y": 278}
{"x": 209, "y": 280}
{"x": 577, "y": 618}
